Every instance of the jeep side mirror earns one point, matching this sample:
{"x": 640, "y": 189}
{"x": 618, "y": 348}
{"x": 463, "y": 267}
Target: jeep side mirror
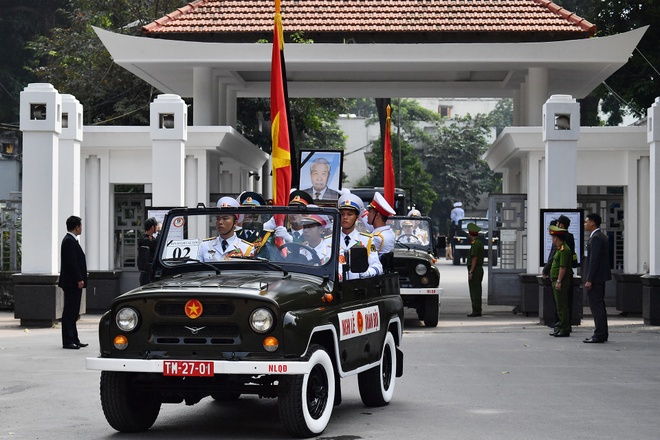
{"x": 358, "y": 260}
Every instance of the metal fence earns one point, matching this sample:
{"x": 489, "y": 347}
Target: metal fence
{"x": 10, "y": 233}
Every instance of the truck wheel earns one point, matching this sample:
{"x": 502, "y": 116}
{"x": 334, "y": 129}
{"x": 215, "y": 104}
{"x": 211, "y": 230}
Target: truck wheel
{"x": 457, "y": 257}
{"x": 306, "y": 401}
{"x": 377, "y": 384}
{"x": 127, "y": 408}
{"x": 431, "y": 310}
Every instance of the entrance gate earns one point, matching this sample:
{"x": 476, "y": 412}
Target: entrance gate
{"x": 507, "y": 215}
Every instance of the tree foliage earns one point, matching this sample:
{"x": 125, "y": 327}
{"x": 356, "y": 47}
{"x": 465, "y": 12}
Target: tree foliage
{"x": 636, "y": 84}
{"x": 20, "y": 22}
{"x": 72, "y": 58}
{"x": 314, "y": 121}
{"x": 454, "y": 159}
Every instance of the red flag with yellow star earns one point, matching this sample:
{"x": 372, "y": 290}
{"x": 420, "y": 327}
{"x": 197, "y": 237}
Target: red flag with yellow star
{"x": 281, "y": 151}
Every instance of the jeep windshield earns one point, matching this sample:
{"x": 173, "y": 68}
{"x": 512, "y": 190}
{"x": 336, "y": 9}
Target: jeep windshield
{"x": 290, "y": 239}
{"x": 412, "y": 232}
{"x": 481, "y": 222}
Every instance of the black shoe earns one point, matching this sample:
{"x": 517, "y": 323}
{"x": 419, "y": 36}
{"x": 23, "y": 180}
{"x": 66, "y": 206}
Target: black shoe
{"x": 594, "y": 340}
{"x": 474, "y": 315}
{"x": 561, "y": 335}
{"x": 81, "y": 344}
{"x": 71, "y": 346}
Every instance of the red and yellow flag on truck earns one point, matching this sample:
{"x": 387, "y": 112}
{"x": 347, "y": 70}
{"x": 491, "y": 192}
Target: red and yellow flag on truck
{"x": 281, "y": 151}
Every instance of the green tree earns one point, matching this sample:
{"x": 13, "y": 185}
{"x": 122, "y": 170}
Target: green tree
{"x": 636, "y": 85}
{"x": 20, "y": 22}
{"x": 314, "y": 122}
{"x": 502, "y": 115}
{"x": 72, "y": 58}
{"x": 407, "y": 138}
{"x": 454, "y": 160}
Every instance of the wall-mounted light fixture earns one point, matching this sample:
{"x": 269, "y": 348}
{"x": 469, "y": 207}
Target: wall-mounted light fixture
{"x": 166, "y": 120}
{"x": 38, "y": 112}
{"x": 255, "y": 175}
{"x": 562, "y": 122}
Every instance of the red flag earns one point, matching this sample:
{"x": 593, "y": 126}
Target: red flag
{"x": 281, "y": 151}
{"x": 279, "y": 123}
{"x": 388, "y": 165}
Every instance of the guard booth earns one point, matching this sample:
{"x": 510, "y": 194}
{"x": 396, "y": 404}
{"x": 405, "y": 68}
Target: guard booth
{"x": 507, "y": 221}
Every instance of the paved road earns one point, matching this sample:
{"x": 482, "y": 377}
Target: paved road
{"x": 499, "y": 376}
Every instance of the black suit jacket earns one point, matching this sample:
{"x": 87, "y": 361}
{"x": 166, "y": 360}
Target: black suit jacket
{"x": 597, "y": 268}
{"x": 330, "y": 194}
{"x": 74, "y": 265}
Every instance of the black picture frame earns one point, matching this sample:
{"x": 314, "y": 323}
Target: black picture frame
{"x": 335, "y": 159}
{"x": 576, "y": 228}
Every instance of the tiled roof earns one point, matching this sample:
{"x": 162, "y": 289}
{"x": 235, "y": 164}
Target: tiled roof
{"x": 373, "y": 16}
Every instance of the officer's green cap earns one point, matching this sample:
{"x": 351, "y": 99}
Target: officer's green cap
{"x": 473, "y": 228}
{"x": 555, "y": 230}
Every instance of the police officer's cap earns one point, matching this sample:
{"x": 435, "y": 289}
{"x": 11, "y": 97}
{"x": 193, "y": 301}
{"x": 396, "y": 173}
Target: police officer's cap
{"x": 299, "y": 197}
{"x": 228, "y": 202}
{"x": 350, "y": 201}
{"x": 380, "y": 204}
{"x": 556, "y": 230}
{"x": 250, "y": 198}
{"x": 473, "y": 228}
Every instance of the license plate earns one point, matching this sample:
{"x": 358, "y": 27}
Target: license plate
{"x": 187, "y": 368}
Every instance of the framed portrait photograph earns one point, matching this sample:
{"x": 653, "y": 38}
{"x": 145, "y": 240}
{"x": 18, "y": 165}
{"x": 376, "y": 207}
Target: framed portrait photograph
{"x": 320, "y": 173}
{"x": 576, "y": 227}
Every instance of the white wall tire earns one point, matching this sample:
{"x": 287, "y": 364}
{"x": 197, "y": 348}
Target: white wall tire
{"x": 377, "y": 384}
{"x": 306, "y": 401}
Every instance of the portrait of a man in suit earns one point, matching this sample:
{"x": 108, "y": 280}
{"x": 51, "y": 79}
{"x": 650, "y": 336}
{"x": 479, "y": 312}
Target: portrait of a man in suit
{"x": 320, "y": 171}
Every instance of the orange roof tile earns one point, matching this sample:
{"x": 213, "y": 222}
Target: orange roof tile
{"x": 373, "y": 16}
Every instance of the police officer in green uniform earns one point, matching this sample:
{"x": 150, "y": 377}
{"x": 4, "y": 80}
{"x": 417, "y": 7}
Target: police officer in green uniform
{"x": 561, "y": 273}
{"x": 475, "y": 264}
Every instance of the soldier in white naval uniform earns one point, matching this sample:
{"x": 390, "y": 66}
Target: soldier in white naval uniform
{"x": 226, "y": 245}
{"x": 383, "y": 236}
{"x": 350, "y": 207}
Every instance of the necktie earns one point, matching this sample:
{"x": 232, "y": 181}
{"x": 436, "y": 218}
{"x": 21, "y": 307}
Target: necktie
{"x": 347, "y": 240}
{"x": 224, "y": 245}
{"x": 318, "y": 195}
{"x": 296, "y": 237}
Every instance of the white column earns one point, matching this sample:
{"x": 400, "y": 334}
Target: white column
{"x": 231, "y": 107}
{"x": 653, "y": 138}
{"x": 204, "y": 89}
{"x": 534, "y": 204}
{"x": 537, "y": 93}
{"x": 642, "y": 208}
{"x": 191, "y": 197}
{"x": 41, "y": 124}
{"x": 561, "y": 131}
{"x": 516, "y": 108}
{"x": 222, "y": 103}
{"x": 169, "y": 131}
{"x": 92, "y": 218}
{"x": 69, "y": 161}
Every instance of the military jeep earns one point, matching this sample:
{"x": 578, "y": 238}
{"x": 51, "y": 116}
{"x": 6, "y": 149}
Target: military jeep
{"x": 414, "y": 260}
{"x": 267, "y": 318}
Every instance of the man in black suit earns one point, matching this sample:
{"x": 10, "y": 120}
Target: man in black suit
{"x": 73, "y": 277}
{"x": 319, "y": 174}
{"x": 597, "y": 272}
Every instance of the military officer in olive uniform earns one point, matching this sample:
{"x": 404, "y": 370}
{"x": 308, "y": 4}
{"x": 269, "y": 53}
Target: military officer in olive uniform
{"x": 560, "y": 274}
{"x": 475, "y": 264}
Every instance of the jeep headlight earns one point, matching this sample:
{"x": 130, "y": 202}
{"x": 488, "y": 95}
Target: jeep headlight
{"x": 262, "y": 320}
{"x": 420, "y": 269}
{"x": 127, "y": 319}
